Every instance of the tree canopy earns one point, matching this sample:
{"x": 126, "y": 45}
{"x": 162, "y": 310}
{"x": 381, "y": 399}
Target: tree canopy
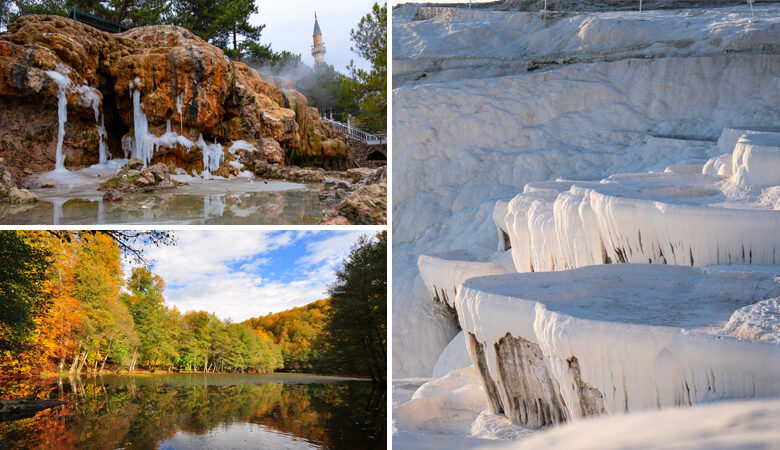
{"x": 22, "y": 298}
{"x": 68, "y": 312}
{"x": 369, "y": 87}
{"x": 357, "y": 327}
{"x": 69, "y": 307}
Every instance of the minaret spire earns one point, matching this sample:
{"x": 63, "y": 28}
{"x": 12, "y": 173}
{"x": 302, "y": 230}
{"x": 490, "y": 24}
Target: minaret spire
{"x": 318, "y": 49}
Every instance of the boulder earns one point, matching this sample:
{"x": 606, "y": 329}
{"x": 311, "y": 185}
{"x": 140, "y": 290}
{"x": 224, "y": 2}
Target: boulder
{"x": 129, "y": 179}
{"x": 366, "y": 206}
{"x": 112, "y": 195}
{"x": 358, "y": 174}
{"x": 9, "y": 192}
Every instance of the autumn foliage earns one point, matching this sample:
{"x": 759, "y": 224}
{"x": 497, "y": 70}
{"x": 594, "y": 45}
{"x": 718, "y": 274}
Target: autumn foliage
{"x": 75, "y": 312}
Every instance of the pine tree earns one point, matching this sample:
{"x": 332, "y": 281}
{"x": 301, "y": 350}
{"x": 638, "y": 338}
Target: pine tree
{"x": 369, "y": 87}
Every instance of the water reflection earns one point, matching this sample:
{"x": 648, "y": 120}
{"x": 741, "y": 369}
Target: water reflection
{"x": 294, "y": 206}
{"x": 206, "y": 411}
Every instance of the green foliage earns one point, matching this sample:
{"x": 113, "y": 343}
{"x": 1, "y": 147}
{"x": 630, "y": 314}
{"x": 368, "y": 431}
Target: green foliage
{"x": 220, "y": 22}
{"x": 346, "y": 334}
{"x": 297, "y": 333}
{"x": 65, "y": 289}
{"x": 22, "y": 300}
{"x": 369, "y": 87}
{"x": 129, "y": 13}
{"x": 195, "y": 341}
{"x": 145, "y": 303}
{"x": 358, "y": 321}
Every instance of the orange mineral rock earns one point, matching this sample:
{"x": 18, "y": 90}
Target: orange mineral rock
{"x": 187, "y": 87}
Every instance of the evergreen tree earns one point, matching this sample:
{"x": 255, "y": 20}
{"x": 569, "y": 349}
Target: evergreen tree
{"x": 369, "y": 87}
{"x": 220, "y": 22}
{"x": 129, "y": 13}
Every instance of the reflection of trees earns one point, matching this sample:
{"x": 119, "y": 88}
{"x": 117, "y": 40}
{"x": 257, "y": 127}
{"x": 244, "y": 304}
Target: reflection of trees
{"x": 139, "y": 415}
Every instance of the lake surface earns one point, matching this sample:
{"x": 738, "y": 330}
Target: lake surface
{"x": 206, "y": 411}
{"x": 76, "y": 200}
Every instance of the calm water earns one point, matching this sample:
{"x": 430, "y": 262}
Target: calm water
{"x": 198, "y": 411}
{"x": 75, "y": 200}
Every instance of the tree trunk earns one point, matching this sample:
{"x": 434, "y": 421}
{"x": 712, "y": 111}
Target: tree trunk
{"x": 110, "y": 343}
{"x": 74, "y": 363}
{"x": 235, "y": 44}
{"x": 135, "y": 358}
{"x": 83, "y": 361}
{"x": 64, "y": 353}
{"x": 156, "y": 355}
{"x": 97, "y": 358}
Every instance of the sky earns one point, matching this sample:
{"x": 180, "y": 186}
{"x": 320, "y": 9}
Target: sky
{"x": 289, "y": 25}
{"x": 243, "y": 274}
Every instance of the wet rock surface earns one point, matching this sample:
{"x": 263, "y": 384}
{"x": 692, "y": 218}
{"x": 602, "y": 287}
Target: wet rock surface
{"x": 186, "y": 88}
{"x": 532, "y": 397}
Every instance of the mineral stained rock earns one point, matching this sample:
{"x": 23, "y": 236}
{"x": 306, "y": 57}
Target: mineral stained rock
{"x": 191, "y": 99}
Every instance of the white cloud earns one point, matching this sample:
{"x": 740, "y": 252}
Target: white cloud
{"x": 199, "y": 276}
{"x": 331, "y": 250}
{"x": 208, "y": 253}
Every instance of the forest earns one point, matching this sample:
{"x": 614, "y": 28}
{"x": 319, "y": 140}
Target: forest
{"x": 69, "y": 308}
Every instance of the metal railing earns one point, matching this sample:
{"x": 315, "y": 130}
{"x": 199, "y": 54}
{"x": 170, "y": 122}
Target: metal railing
{"x": 95, "y": 21}
{"x": 348, "y": 130}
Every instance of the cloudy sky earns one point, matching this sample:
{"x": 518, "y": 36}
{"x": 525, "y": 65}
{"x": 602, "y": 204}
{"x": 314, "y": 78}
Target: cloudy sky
{"x": 243, "y": 274}
{"x": 289, "y": 25}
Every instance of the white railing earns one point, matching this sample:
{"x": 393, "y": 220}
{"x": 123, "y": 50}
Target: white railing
{"x": 348, "y": 130}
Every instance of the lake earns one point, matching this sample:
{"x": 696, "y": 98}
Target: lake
{"x": 237, "y": 201}
{"x": 205, "y": 411}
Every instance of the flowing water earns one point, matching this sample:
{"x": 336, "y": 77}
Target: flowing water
{"x": 206, "y": 411}
{"x": 240, "y": 201}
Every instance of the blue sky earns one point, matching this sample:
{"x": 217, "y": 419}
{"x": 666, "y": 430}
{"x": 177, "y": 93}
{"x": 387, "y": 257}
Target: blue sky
{"x": 240, "y": 274}
{"x": 289, "y": 25}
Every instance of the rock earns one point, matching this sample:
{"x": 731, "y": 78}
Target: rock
{"x": 337, "y": 220}
{"x": 377, "y": 176}
{"x": 156, "y": 173}
{"x": 178, "y": 77}
{"x": 334, "y": 195}
{"x": 304, "y": 175}
{"x": 9, "y": 193}
{"x": 125, "y": 186}
{"x": 134, "y": 163}
{"x": 225, "y": 171}
{"x": 358, "y": 174}
{"x": 129, "y": 179}
{"x": 48, "y": 185}
{"x": 19, "y": 196}
{"x": 366, "y": 206}
{"x": 142, "y": 181}
{"x": 112, "y": 195}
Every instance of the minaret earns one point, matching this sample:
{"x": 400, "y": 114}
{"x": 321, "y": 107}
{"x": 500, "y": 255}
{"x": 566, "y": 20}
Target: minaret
{"x": 317, "y": 50}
